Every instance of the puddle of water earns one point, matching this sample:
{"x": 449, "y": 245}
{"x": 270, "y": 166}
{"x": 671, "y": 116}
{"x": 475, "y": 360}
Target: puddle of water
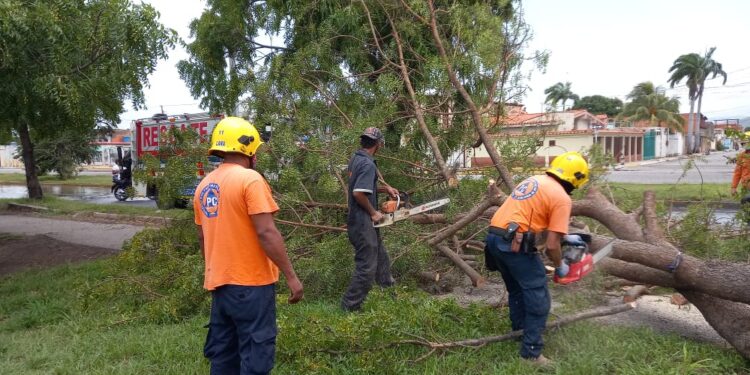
{"x": 64, "y": 191}
{"x": 722, "y": 216}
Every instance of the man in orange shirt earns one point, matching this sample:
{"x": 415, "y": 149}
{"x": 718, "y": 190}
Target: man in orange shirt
{"x": 537, "y": 204}
{"x": 741, "y": 177}
{"x": 243, "y": 251}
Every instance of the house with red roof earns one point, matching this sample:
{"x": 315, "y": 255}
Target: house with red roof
{"x": 572, "y": 130}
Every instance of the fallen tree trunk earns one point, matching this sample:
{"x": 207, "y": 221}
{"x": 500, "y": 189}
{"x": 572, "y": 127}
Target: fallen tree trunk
{"x": 718, "y": 289}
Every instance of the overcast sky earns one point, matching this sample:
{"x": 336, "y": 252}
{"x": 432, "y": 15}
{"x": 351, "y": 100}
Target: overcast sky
{"x": 603, "y": 47}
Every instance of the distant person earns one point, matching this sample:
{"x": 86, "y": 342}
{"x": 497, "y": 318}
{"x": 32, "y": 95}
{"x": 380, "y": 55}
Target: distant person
{"x": 243, "y": 252}
{"x": 538, "y": 204}
{"x": 371, "y": 262}
{"x": 741, "y": 177}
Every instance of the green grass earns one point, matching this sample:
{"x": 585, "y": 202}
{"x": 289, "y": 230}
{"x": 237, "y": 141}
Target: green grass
{"x": 104, "y": 179}
{"x": 679, "y": 192}
{"x": 60, "y": 206}
{"x": 44, "y": 329}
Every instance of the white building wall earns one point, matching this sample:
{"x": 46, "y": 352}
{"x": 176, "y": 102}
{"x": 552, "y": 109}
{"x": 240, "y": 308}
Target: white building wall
{"x": 6, "y": 157}
{"x": 676, "y": 144}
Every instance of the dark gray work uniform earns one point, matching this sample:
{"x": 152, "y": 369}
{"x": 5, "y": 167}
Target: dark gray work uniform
{"x": 371, "y": 260}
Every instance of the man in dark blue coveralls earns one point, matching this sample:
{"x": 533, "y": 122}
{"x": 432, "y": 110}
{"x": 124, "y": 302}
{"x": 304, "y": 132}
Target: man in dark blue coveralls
{"x": 371, "y": 260}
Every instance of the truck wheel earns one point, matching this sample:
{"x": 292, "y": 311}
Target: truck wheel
{"x": 181, "y": 203}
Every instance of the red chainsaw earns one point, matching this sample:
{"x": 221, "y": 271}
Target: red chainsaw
{"x": 576, "y": 252}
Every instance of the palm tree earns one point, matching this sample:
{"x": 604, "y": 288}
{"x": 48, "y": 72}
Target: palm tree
{"x": 560, "y": 92}
{"x": 641, "y": 90}
{"x": 648, "y": 103}
{"x": 658, "y": 109}
{"x": 695, "y": 69}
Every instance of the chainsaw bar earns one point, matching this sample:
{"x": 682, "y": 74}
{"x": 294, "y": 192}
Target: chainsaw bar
{"x": 603, "y": 252}
{"x": 401, "y": 214}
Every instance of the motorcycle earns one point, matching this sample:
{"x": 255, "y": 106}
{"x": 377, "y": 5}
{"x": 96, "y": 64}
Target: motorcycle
{"x": 120, "y": 183}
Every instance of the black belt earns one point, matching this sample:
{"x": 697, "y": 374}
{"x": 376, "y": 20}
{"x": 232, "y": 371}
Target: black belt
{"x": 527, "y": 243}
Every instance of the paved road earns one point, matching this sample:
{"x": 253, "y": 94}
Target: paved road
{"x": 709, "y": 169}
{"x": 110, "y": 236}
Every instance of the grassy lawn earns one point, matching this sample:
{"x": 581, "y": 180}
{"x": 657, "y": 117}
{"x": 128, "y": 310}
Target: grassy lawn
{"x": 20, "y": 178}
{"x": 47, "y": 325}
{"x": 679, "y": 192}
{"x": 60, "y": 206}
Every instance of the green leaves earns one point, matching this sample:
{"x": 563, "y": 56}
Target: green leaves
{"x": 68, "y": 64}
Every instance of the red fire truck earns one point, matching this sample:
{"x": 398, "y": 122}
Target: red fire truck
{"x": 148, "y": 133}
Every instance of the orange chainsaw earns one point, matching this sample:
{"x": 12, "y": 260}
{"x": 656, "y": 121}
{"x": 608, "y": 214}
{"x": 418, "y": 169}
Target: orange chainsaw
{"x": 397, "y": 210}
{"x": 575, "y": 251}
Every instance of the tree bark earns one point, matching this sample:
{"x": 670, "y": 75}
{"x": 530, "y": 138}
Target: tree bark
{"x": 730, "y": 319}
{"x": 27, "y": 151}
{"x": 698, "y": 118}
{"x": 690, "y": 130}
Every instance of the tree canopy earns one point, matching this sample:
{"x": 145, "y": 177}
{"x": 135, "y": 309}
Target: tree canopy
{"x": 70, "y": 64}
{"x": 598, "y": 104}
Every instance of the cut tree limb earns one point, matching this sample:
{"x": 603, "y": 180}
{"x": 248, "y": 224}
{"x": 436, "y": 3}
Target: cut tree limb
{"x": 476, "y": 279}
{"x": 588, "y": 314}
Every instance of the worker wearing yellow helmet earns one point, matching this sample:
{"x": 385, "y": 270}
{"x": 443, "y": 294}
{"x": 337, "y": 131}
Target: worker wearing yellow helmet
{"x": 243, "y": 252}
{"x": 538, "y": 204}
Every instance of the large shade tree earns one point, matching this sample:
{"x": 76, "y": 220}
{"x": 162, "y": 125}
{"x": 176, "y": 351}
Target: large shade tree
{"x": 598, "y": 104}
{"x": 560, "y": 92}
{"x": 432, "y": 75}
{"x": 695, "y": 70}
{"x": 70, "y": 64}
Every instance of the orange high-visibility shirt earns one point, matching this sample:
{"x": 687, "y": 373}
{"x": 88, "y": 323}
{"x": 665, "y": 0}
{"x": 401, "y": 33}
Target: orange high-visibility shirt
{"x": 539, "y": 203}
{"x": 742, "y": 171}
{"x": 223, "y": 204}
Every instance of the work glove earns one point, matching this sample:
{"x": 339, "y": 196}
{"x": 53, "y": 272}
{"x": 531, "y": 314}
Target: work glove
{"x": 573, "y": 240}
{"x": 563, "y": 270}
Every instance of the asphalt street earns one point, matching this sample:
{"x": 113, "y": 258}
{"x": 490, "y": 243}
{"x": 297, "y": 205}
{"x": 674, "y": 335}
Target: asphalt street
{"x": 706, "y": 169}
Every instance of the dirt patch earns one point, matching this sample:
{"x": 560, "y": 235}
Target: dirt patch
{"x": 19, "y": 252}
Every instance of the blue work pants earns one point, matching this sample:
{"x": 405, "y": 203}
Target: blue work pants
{"x": 241, "y": 337}
{"x": 528, "y": 297}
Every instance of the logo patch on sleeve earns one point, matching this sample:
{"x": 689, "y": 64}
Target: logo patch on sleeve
{"x": 210, "y": 200}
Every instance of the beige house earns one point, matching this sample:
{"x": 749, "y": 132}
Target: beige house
{"x": 574, "y": 130}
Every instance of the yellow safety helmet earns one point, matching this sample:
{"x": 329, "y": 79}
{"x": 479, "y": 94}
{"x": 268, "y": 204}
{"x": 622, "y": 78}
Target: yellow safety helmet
{"x": 234, "y": 134}
{"x": 570, "y": 167}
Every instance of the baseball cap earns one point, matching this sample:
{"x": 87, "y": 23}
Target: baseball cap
{"x": 373, "y": 133}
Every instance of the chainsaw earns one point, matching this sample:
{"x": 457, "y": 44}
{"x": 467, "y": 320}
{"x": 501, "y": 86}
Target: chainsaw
{"x": 394, "y": 211}
{"x": 580, "y": 260}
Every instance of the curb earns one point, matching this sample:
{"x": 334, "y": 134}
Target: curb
{"x": 125, "y": 218}
{"x": 26, "y": 207}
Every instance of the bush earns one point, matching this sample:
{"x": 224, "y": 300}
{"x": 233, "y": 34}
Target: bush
{"x": 158, "y": 277}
